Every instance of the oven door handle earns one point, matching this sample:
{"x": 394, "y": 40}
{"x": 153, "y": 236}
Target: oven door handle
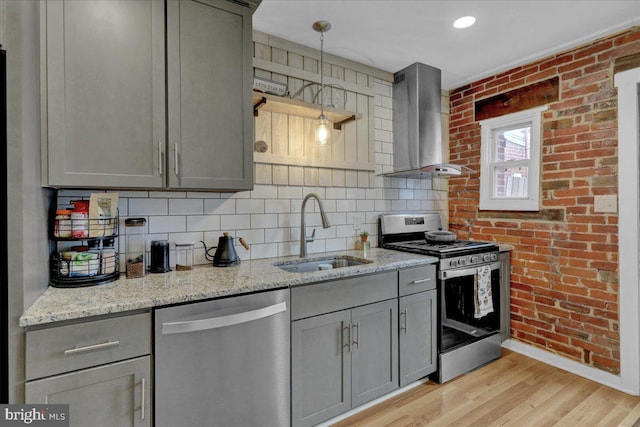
{"x": 450, "y": 274}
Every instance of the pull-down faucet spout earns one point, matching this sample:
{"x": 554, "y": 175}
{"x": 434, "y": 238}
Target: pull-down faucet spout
{"x": 303, "y": 233}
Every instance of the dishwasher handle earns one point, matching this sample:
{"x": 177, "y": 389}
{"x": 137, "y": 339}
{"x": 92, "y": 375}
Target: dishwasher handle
{"x": 222, "y": 321}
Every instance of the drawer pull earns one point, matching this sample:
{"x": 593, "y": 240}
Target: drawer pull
{"x": 415, "y": 282}
{"x": 142, "y": 397}
{"x": 93, "y": 347}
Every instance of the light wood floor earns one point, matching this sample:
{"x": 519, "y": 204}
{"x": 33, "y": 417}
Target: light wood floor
{"x": 513, "y": 391}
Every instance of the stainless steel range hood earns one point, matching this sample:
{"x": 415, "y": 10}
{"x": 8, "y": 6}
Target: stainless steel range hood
{"x": 417, "y": 124}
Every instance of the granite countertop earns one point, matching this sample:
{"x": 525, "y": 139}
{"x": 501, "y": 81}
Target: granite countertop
{"x": 203, "y": 282}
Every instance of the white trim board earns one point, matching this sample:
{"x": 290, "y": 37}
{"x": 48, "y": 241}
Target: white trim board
{"x": 628, "y": 85}
{"x": 593, "y": 374}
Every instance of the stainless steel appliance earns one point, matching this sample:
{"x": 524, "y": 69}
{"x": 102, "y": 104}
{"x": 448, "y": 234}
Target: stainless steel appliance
{"x": 466, "y": 340}
{"x": 417, "y": 129}
{"x": 224, "y": 362}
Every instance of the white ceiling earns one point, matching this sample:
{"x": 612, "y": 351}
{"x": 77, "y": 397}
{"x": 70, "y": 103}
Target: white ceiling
{"x": 391, "y": 34}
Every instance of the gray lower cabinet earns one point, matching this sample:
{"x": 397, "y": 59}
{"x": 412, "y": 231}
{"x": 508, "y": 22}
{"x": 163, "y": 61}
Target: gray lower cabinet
{"x": 418, "y": 341}
{"x": 341, "y": 360}
{"x": 101, "y": 368}
{"x": 115, "y": 116}
{"x": 114, "y": 395}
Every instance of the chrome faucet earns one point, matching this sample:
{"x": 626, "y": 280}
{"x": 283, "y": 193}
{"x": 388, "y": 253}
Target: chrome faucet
{"x": 303, "y": 233}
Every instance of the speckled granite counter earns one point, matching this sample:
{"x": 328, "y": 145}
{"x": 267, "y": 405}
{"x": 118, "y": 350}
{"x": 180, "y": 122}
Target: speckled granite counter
{"x": 203, "y": 282}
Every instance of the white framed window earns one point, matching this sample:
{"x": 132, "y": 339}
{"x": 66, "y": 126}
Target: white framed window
{"x": 510, "y": 161}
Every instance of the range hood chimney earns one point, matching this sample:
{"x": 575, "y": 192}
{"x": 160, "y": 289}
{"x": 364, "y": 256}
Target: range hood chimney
{"x": 417, "y": 124}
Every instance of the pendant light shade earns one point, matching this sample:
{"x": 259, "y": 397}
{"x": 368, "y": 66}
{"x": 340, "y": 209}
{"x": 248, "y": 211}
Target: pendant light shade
{"x": 323, "y": 130}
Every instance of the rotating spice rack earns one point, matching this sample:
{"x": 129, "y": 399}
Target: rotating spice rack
{"x": 92, "y": 260}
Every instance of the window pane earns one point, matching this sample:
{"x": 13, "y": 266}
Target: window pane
{"x": 511, "y": 182}
{"x": 513, "y": 143}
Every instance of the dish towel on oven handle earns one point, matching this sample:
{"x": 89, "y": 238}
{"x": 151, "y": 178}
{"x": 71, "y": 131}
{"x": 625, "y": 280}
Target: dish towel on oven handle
{"x": 483, "y": 298}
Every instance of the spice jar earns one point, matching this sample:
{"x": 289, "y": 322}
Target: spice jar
{"x": 80, "y": 219}
{"x": 184, "y": 256}
{"x": 63, "y": 223}
{"x": 135, "y": 247}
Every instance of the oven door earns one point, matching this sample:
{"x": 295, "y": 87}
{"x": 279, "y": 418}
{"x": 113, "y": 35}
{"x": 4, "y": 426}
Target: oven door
{"x": 459, "y": 325}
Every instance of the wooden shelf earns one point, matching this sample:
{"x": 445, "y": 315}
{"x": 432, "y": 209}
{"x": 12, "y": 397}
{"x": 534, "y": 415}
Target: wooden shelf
{"x": 277, "y": 104}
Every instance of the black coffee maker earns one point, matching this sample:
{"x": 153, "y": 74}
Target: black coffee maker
{"x": 225, "y": 255}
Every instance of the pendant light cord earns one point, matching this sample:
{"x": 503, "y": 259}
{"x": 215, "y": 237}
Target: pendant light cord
{"x": 322, "y": 73}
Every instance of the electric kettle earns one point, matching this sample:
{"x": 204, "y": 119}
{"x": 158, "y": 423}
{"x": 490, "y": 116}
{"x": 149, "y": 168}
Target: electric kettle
{"x": 225, "y": 255}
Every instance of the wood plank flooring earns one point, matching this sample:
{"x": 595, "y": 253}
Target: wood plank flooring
{"x": 513, "y": 391}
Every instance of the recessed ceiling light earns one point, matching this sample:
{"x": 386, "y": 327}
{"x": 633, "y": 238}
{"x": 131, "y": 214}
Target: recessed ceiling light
{"x": 464, "y": 22}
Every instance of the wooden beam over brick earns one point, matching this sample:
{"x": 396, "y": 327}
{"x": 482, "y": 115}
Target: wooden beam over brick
{"x": 520, "y": 99}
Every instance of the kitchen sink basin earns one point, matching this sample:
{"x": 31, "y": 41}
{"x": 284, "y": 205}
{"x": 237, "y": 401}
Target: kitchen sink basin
{"x": 317, "y": 264}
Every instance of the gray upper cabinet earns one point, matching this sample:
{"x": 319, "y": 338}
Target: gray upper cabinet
{"x": 210, "y": 106}
{"x": 105, "y": 93}
{"x": 109, "y": 120}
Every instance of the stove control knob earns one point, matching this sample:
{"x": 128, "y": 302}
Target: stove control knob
{"x": 453, "y": 263}
{"x": 486, "y": 258}
{"x": 494, "y": 257}
{"x": 474, "y": 260}
{"x": 462, "y": 261}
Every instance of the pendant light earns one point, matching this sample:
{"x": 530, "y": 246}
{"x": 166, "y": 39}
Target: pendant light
{"x": 323, "y": 131}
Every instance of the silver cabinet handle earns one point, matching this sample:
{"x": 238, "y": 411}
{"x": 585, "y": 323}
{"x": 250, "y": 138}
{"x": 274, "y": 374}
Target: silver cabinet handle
{"x": 357, "y": 338}
{"x": 175, "y": 159}
{"x": 415, "y": 282}
{"x": 222, "y": 321}
{"x": 348, "y": 344}
{"x": 93, "y": 347}
{"x": 160, "y": 157}
{"x": 404, "y": 328}
{"x": 142, "y": 397}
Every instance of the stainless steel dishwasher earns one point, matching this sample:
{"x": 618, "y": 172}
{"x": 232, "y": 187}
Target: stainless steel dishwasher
{"x": 224, "y": 362}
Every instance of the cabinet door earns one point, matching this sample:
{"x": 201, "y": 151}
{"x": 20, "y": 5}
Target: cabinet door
{"x": 115, "y": 395}
{"x": 374, "y": 351}
{"x": 418, "y": 335}
{"x": 105, "y": 93}
{"x": 209, "y": 81}
{"x": 320, "y": 368}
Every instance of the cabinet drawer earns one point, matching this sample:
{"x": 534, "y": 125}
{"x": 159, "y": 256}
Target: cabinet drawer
{"x": 71, "y": 347}
{"x": 311, "y": 300}
{"x": 417, "y": 279}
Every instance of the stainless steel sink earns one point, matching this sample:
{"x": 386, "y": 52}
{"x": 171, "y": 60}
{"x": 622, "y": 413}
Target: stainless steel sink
{"x": 323, "y": 263}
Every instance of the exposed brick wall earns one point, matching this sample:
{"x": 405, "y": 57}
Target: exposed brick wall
{"x": 564, "y": 281}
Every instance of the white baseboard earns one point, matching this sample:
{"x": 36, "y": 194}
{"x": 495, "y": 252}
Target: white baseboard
{"x": 370, "y": 404}
{"x": 593, "y": 374}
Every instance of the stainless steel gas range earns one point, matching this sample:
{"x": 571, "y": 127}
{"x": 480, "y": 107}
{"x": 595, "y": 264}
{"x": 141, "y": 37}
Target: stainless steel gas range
{"x": 468, "y": 289}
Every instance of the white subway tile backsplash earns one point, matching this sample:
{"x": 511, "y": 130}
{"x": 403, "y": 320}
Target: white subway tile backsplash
{"x": 194, "y": 237}
{"x": 398, "y": 205}
{"x": 356, "y": 194}
{"x": 338, "y": 244}
{"x": 345, "y": 231}
{"x": 251, "y": 236}
{"x": 148, "y": 207}
{"x": 186, "y": 206}
{"x": 414, "y": 205}
{"x": 220, "y": 206}
{"x": 250, "y": 206}
{"x": 346, "y": 205}
{"x": 203, "y": 222}
{"x": 290, "y": 193}
{"x": 277, "y": 206}
{"x": 288, "y": 220}
{"x": 277, "y": 234}
{"x": 336, "y": 193}
{"x": 202, "y": 195}
{"x": 264, "y": 192}
{"x": 264, "y": 221}
{"x": 266, "y": 250}
{"x": 365, "y": 205}
{"x": 235, "y": 222}
{"x": 405, "y": 194}
{"x": 125, "y": 194}
{"x": 168, "y": 224}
